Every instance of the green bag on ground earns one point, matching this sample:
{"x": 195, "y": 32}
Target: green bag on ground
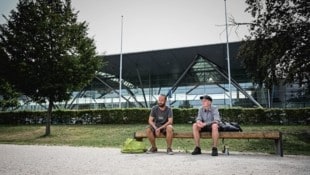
{"x": 133, "y": 146}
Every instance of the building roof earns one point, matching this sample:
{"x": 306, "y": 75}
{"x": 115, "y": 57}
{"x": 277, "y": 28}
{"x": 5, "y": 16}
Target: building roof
{"x": 162, "y": 68}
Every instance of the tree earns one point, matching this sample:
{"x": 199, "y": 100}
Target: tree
{"x": 277, "y": 49}
{"x": 47, "y": 52}
{"x": 8, "y": 96}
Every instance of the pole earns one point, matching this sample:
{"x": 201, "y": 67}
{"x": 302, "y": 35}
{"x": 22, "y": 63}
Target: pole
{"x": 121, "y": 66}
{"x": 228, "y": 58}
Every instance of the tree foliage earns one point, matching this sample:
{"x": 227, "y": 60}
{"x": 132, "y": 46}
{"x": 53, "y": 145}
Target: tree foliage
{"x": 277, "y": 50}
{"x": 8, "y": 96}
{"x": 47, "y": 51}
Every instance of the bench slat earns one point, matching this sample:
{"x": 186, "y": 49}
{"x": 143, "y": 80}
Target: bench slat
{"x": 224, "y": 135}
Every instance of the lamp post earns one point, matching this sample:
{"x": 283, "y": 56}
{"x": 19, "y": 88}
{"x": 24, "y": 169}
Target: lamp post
{"x": 121, "y": 66}
{"x": 228, "y": 58}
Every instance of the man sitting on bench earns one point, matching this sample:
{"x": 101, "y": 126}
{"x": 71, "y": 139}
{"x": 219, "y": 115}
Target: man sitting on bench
{"x": 160, "y": 121}
{"x": 207, "y": 120}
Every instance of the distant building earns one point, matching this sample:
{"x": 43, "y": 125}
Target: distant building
{"x": 182, "y": 73}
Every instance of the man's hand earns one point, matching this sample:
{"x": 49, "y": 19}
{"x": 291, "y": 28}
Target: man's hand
{"x": 157, "y": 132}
{"x": 201, "y": 124}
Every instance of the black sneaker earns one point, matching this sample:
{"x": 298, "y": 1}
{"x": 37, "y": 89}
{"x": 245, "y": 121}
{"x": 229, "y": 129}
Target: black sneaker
{"x": 152, "y": 150}
{"x": 169, "y": 151}
{"x": 196, "y": 151}
{"x": 214, "y": 151}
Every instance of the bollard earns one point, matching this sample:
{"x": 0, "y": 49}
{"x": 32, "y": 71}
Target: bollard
{"x": 226, "y": 150}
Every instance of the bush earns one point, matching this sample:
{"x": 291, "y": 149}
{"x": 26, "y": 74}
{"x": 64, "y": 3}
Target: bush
{"x": 140, "y": 116}
{"x": 231, "y": 114}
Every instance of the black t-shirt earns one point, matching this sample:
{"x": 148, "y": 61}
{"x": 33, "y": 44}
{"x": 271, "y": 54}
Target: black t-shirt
{"x": 161, "y": 117}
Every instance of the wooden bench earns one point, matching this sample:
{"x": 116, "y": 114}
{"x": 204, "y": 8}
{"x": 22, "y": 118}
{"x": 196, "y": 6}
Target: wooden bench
{"x": 273, "y": 135}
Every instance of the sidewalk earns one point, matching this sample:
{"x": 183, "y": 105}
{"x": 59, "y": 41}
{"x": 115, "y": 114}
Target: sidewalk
{"x": 40, "y": 160}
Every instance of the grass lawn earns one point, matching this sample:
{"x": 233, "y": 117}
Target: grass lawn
{"x": 296, "y": 139}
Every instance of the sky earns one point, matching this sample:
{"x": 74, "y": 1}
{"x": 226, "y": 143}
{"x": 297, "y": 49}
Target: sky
{"x": 154, "y": 24}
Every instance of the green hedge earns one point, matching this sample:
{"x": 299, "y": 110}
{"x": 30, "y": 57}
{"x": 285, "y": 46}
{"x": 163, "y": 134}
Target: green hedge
{"x": 140, "y": 116}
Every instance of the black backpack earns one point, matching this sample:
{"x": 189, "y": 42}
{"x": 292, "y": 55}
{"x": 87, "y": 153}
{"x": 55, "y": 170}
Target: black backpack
{"x": 229, "y": 126}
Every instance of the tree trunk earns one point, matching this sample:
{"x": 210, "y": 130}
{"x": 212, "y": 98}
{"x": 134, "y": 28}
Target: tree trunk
{"x": 48, "y": 118}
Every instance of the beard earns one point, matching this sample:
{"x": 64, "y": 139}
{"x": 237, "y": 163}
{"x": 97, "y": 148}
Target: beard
{"x": 161, "y": 105}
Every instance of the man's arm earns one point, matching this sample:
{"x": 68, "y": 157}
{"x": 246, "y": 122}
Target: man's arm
{"x": 216, "y": 115}
{"x": 151, "y": 122}
{"x": 199, "y": 117}
{"x": 199, "y": 120}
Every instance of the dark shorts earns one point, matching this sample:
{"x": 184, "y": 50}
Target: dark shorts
{"x": 163, "y": 131}
{"x": 207, "y": 128}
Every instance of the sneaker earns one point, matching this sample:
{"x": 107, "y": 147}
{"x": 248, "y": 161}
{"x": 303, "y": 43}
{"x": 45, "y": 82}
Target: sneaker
{"x": 214, "y": 151}
{"x": 169, "y": 151}
{"x": 152, "y": 150}
{"x": 196, "y": 151}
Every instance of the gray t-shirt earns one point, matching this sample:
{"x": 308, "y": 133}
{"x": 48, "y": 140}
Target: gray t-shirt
{"x": 208, "y": 116}
{"x": 161, "y": 117}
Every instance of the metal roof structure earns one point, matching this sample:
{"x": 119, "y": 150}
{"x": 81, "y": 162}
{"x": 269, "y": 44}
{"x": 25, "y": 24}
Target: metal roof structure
{"x": 170, "y": 68}
{"x": 162, "y": 68}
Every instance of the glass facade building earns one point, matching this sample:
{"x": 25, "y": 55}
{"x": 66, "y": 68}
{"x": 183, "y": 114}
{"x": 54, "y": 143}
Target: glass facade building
{"x": 183, "y": 74}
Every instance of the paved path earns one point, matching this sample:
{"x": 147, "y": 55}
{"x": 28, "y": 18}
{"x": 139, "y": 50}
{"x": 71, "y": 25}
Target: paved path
{"x": 41, "y": 160}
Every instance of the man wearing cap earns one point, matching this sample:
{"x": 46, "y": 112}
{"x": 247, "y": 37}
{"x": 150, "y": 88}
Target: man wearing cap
{"x": 207, "y": 120}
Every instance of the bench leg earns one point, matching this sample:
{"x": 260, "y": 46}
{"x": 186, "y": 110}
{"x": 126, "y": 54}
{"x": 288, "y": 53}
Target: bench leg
{"x": 140, "y": 139}
{"x": 279, "y": 146}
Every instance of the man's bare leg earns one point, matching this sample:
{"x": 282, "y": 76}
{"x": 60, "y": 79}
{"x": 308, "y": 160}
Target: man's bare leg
{"x": 169, "y": 135}
{"x": 215, "y": 137}
{"x": 215, "y": 134}
{"x": 196, "y": 134}
{"x": 151, "y": 137}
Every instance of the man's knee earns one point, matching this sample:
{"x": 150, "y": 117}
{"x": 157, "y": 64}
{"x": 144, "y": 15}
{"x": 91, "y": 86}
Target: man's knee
{"x": 149, "y": 131}
{"x": 195, "y": 127}
{"x": 169, "y": 129}
{"x": 215, "y": 127}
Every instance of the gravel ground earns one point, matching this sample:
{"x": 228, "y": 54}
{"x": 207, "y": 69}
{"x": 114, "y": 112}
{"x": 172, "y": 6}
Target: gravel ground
{"x": 27, "y": 159}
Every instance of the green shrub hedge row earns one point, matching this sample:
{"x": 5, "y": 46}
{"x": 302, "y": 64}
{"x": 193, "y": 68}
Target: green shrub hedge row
{"x": 139, "y": 116}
